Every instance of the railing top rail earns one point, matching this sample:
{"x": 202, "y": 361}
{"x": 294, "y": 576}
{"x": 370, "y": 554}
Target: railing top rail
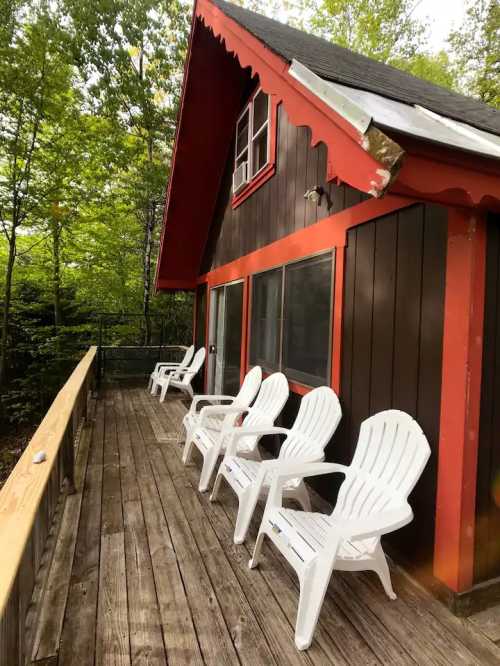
{"x": 22, "y": 493}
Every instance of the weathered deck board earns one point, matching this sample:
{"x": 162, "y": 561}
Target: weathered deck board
{"x": 148, "y": 574}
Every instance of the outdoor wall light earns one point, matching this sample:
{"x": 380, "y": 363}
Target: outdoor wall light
{"x": 314, "y": 194}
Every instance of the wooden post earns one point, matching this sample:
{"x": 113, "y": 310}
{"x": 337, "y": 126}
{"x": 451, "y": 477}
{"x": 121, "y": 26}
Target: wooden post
{"x": 460, "y": 399}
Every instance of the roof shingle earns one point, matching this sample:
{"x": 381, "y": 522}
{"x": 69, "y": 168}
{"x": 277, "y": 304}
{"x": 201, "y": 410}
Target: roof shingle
{"x": 335, "y": 63}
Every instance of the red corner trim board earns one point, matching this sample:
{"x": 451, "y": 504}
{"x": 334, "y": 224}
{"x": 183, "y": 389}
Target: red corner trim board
{"x": 460, "y": 399}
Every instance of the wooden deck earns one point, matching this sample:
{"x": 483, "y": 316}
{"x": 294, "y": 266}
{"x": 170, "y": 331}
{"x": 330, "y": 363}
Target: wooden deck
{"x": 143, "y": 571}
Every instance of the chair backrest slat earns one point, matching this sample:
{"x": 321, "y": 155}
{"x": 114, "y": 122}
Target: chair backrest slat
{"x": 196, "y": 363}
{"x": 249, "y": 388}
{"x": 318, "y": 417}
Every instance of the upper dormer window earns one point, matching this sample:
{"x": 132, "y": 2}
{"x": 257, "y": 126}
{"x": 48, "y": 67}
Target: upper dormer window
{"x": 252, "y": 141}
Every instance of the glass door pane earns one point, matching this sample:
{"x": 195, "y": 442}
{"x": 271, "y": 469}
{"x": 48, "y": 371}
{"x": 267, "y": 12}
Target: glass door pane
{"x": 232, "y": 342}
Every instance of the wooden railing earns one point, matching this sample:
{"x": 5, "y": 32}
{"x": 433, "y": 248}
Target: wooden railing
{"x": 28, "y": 501}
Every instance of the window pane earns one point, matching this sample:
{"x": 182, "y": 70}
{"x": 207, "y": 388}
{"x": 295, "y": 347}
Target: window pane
{"x": 242, "y": 133}
{"x": 260, "y": 111}
{"x": 266, "y": 313}
{"x": 242, "y": 158}
{"x": 307, "y": 319}
{"x": 259, "y": 155}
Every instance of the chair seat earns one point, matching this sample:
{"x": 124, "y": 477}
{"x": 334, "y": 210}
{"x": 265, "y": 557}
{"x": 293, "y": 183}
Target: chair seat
{"x": 307, "y": 534}
{"x": 212, "y": 422}
{"x": 244, "y": 472}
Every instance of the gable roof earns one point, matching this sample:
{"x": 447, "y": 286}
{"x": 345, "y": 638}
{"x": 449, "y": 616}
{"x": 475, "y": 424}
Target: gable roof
{"x": 335, "y": 63}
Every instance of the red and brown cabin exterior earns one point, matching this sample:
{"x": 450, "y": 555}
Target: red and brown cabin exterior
{"x": 383, "y": 281}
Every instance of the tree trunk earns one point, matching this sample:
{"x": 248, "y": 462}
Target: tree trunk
{"x": 148, "y": 247}
{"x": 56, "y": 273}
{"x": 4, "y": 342}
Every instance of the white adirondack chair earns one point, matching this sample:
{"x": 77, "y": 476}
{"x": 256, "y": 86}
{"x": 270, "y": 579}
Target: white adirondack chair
{"x": 270, "y": 401}
{"x": 390, "y": 456}
{"x": 181, "y": 378}
{"x": 164, "y": 367}
{"x": 215, "y": 418}
{"x": 318, "y": 417}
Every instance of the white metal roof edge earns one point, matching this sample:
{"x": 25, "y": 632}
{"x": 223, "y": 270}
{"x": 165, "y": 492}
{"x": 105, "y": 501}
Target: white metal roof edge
{"x": 353, "y": 113}
{"x": 351, "y": 103}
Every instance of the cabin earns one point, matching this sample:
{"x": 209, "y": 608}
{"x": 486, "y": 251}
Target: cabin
{"x": 339, "y": 220}
{"x": 335, "y": 219}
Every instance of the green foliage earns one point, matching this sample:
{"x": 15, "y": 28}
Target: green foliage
{"x": 476, "y": 46}
{"x": 385, "y": 30}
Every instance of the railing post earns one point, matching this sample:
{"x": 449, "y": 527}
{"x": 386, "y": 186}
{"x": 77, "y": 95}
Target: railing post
{"x": 69, "y": 458}
{"x": 99, "y": 357}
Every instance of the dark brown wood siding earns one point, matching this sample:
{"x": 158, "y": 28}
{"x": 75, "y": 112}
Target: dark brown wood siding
{"x": 392, "y": 343}
{"x": 487, "y": 539}
{"x": 278, "y": 207}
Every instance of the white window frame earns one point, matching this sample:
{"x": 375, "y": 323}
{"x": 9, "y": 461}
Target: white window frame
{"x": 252, "y": 137}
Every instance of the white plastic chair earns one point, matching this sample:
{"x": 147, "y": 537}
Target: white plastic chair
{"x": 214, "y": 418}
{"x": 181, "y": 378}
{"x": 390, "y": 456}
{"x": 318, "y": 417}
{"x": 162, "y": 368}
{"x": 270, "y": 401}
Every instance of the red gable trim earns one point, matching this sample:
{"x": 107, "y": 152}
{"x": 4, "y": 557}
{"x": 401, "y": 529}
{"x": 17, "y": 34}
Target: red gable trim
{"x": 355, "y": 165}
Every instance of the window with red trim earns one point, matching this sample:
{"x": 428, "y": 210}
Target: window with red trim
{"x": 254, "y": 149}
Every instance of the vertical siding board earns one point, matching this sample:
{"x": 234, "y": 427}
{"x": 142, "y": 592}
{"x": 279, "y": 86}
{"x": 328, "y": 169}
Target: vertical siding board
{"x": 311, "y": 180}
{"x": 337, "y": 195}
{"x": 486, "y": 431}
{"x": 343, "y": 450}
{"x": 282, "y": 173}
{"x": 301, "y": 175}
{"x": 323, "y": 210}
{"x": 384, "y": 293}
{"x": 292, "y": 141}
{"x": 408, "y": 308}
{"x": 362, "y": 327}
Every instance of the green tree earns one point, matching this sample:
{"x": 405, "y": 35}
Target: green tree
{"x": 131, "y": 54}
{"x": 476, "y": 47}
{"x": 35, "y": 82}
{"x": 385, "y": 30}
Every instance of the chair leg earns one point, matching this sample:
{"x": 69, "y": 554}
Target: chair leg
{"x": 381, "y": 568}
{"x": 150, "y": 383}
{"x": 313, "y": 587}
{"x": 164, "y": 390}
{"x": 154, "y": 387}
{"x": 188, "y": 449}
{"x": 216, "y": 488}
{"x": 254, "y": 562}
{"x": 301, "y": 495}
{"x": 207, "y": 470}
{"x": 246, "y": 507}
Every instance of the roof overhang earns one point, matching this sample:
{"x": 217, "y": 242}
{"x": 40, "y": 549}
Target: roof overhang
{"x": 221, "y": 57}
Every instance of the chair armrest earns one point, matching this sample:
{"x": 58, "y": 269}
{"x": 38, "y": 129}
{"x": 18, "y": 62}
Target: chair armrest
{"x": 295, "y": 470}
{"x": 166, "y": 365}
{"x": 375, "y": 525}
{"x": 235, "y": 434}
{"x": 220, "y": 410}
{"x": 209, "y": 398}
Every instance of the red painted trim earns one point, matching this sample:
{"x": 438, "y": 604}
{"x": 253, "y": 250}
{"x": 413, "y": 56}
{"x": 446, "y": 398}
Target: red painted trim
{"x": 460, "y": 399}
{"x": 347, "y": 159}
{"x": 323, "y": 235}
{"x": 177, "y": 285}
{"x": 338, "y": 305}
{"x": 176, "y": 143}
{"x": 207, "y": 338}
{"x": 270, "y": 169}
{"x": 295, "y": 387}
{"x": 244, "y": 330}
